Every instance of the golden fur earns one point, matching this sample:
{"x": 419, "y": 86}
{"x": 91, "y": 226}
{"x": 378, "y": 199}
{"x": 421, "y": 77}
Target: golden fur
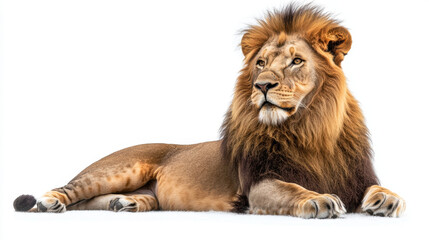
{"x": 307, "y": 155}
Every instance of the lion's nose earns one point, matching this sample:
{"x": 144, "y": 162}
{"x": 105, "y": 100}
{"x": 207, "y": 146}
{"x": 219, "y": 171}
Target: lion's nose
{"x": 264, "y": 87}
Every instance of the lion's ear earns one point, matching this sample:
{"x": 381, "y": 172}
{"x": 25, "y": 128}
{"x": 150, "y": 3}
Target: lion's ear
{"x": 337, "y": 41}
{"x": 249, "y": 44}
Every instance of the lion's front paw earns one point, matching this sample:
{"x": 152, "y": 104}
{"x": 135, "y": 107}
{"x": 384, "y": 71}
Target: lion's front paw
{"x": 379, "y": 201}
{"x": 321, "y": 206}
{"x": 50, "y": 204}
{"x": 123, "y": 204}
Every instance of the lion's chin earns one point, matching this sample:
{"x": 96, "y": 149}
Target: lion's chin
{"x": 272, "y": 115}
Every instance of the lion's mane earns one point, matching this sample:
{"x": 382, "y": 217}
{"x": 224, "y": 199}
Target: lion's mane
{"x": 323, "y": 147}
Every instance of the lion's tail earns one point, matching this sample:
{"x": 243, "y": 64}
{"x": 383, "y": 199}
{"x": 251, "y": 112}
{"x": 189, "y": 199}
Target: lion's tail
{"x": 24, "y": 203}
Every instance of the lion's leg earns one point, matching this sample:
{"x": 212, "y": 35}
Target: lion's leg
{"x": 278, "y": 197}
{"x": 140, "y": 200}
{"x": 96, "y": 181}
{"x": 381, "y": 201}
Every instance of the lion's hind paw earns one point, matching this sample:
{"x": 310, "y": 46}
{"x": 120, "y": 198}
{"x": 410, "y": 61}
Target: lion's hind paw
{"x": 50, "y": 204}
{"x": 123, "y": 204}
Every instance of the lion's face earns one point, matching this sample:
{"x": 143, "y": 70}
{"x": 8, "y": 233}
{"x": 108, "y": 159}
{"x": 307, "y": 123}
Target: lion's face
{"x": 283, "y": 76}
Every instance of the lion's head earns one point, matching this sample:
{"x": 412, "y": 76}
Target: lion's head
{"x": 292, "y": 114}
{"x": 283, "y": 55}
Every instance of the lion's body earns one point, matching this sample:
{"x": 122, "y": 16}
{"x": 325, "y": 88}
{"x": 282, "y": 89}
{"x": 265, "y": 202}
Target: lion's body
{"x": 187, "y": 177}
{"x": 294, "y": 140}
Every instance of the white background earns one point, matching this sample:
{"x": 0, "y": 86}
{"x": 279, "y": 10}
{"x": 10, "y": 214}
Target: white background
{"x": 81, "y": 79}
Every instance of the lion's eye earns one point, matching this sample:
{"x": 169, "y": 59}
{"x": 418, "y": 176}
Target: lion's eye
{"x": 260, "y": 63}
{"x": 297, "y": 61}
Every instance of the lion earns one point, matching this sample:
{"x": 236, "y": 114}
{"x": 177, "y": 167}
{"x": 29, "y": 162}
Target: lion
{"x": 293, "y": 141}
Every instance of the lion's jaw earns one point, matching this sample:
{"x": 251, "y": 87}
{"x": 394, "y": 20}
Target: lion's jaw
{"x": 280, "y": 84}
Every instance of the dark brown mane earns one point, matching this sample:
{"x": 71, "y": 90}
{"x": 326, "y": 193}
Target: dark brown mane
{"x": 324, "y": 147}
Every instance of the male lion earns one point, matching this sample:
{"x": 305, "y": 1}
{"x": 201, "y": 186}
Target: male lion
{"x": 294, "y": 141}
